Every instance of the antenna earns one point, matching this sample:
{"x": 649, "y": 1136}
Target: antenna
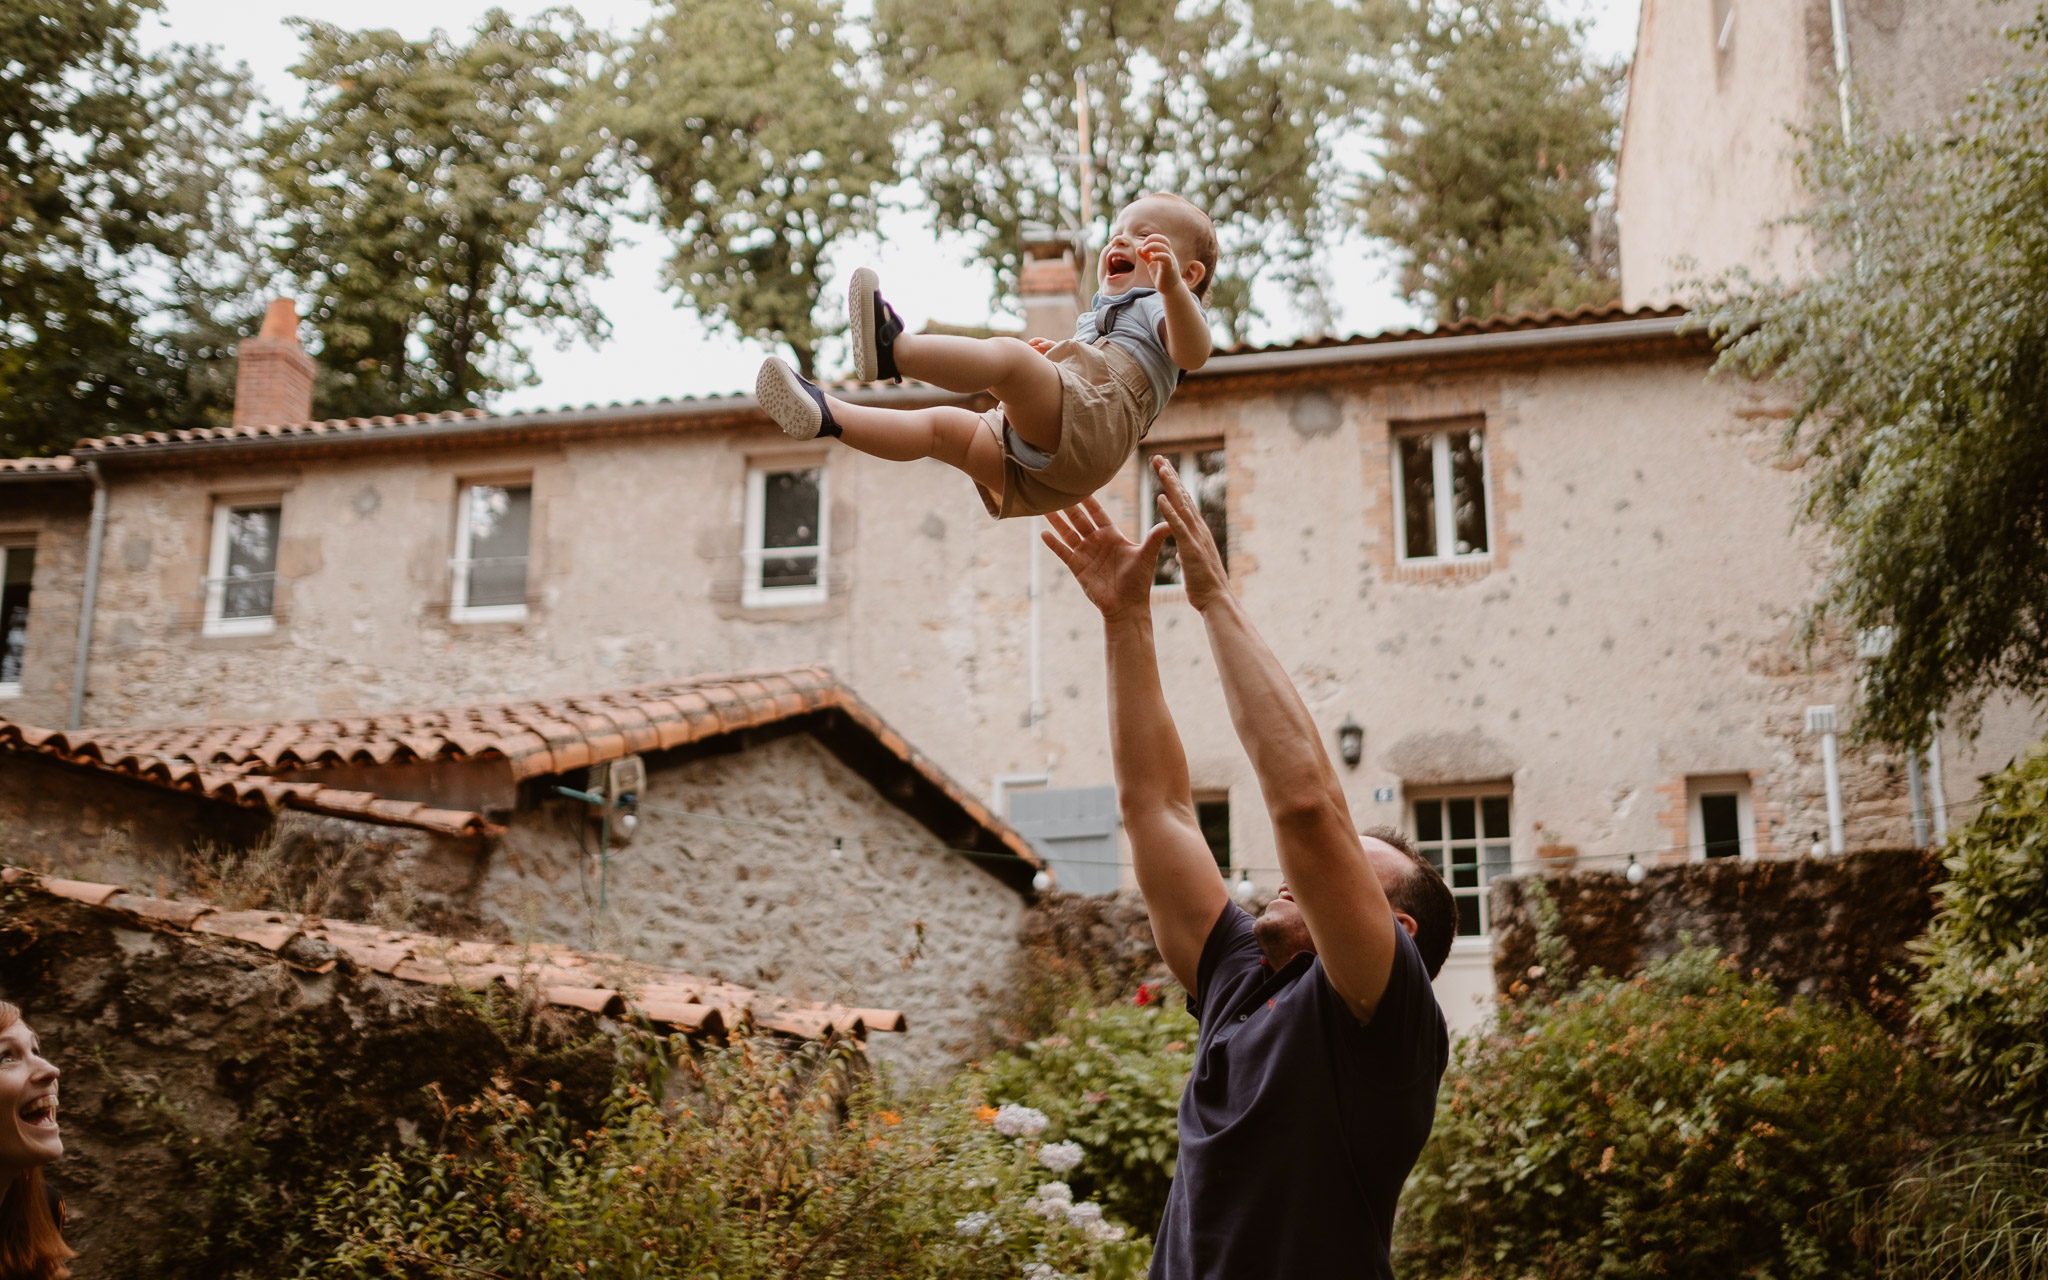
{"x": 1085, "y": 257}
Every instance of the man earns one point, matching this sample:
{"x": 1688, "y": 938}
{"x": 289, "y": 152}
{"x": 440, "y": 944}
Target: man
{"x": 1321, "y": 1041}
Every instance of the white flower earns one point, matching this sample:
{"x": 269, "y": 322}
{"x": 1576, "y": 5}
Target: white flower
{"x": 1087, "y": 1216}
{"x": 1060, "y": 1156}
{"x": 1043, "y": 1271}
{"x": 1013, "y": 1121}
{"x": 980, "y": 1222}
{"x": 1052, "y": 1201}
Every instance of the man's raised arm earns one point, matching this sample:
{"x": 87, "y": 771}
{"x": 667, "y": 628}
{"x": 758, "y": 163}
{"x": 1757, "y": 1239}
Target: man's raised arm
{"x": 1327, "y": 871}
{"x": 1184, "y": 892}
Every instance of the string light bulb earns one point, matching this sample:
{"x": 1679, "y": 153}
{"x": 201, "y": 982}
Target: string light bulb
{"x": 1636, "y": 871}
{"x": 838, "y": 848}
{"x": 1040, "y": 882}
{"x": 1243, "y": 887}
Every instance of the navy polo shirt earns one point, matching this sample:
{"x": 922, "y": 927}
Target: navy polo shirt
{"x": 1300, "y": 1123}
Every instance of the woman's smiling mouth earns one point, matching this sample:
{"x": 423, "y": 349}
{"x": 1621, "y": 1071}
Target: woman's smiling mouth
{"x": 40, "y": 1113}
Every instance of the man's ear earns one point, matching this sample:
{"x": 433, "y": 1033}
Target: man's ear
{"x": 1406, "y": 921}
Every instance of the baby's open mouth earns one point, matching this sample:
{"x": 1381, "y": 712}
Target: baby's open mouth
{"x": 41, "y": 1112}
{"x": 1118, "y": 264}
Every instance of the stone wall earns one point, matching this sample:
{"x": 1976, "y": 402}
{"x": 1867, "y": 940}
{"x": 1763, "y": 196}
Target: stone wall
{"x": 197, "y": 1069}
{"x": 90, "y": 825}
{"x": 1836, "y": 928}
{"x": 776, "y": 867}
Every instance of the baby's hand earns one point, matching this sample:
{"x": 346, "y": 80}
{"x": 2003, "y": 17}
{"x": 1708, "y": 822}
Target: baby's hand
{"x": 1156, "y": 252}
{"x": 1040, "y": 345}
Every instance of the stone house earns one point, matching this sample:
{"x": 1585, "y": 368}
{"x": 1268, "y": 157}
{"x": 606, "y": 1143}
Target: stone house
{"x": 760, "y": 831}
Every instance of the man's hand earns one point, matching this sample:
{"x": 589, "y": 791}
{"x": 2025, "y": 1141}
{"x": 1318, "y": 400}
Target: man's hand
{"x": 1114, "y": 572}
{"x": 1201, "y": 564}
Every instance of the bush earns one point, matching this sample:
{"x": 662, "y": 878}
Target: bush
{"x": 1682, "y": 1123}
{"x": 1984, "y": 997}
{"x": 765, "y": 1165}
{"x": 1975, "y": 1210}
{"x": 1110, "y": 1078}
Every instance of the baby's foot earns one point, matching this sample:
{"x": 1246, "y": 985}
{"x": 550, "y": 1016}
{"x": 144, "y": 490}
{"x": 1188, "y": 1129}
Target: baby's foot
{"x": 875, "y": 326}
{"x": 797, "y": 406}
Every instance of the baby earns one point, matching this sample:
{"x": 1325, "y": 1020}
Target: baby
{"x": 1068, "y": 414}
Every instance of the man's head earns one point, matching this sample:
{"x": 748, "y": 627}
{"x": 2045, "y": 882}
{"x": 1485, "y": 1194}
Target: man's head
{"x": 1421, "y": 900}
{"x": 1181, "y": 221}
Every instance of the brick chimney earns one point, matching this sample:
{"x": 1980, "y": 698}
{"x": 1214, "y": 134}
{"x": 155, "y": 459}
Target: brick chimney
{"x": 274, "y": 377}
{"x": 1048, "y": 284}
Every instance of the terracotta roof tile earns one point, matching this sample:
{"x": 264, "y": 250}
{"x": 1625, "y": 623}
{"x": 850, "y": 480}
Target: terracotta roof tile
{"x": 1554, "y": 318}
{"x": 536, "y": 736}
{"x": 595, "y": 982}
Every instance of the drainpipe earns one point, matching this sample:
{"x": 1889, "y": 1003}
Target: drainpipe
{"x": 1035, "y": 714}
{"x": 1919, "y": 795}
{"x": 1838, "y": 15}
{"x": 1934, "y": 780}
{"x": 1821, "y": 720}
{"x": 90, "y": 595}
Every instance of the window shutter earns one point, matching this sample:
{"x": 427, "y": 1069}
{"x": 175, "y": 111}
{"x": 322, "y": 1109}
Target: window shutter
{"x": 1074, "y": 830}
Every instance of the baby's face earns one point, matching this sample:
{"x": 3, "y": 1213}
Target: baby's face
{"x": 1120, "y": 269}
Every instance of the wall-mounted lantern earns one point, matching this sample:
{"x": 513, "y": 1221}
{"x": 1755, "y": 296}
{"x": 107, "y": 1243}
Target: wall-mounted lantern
{"x": 1351, "y": 742}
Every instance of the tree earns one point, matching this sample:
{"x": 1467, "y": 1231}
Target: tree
{"x": 122, "y": 269}
{"x": 1919, "y": 357}
{"x": 1497, "y": 136}
{"x": 433, "y": 194}
{"x": 1231, "y": 105}
{"x": 764, "y": 149}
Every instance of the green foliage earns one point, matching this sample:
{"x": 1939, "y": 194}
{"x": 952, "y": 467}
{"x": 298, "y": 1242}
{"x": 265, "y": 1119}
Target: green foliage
{"x": 1498, "y": 137}
{"x": 766, "y": 1165}
{"x": 1110, "y": 1078}
{"x": 765, "y": 150}
{"x": 1983, "y": 998}
{"x": 1230, "y": 105}
{"x": 1919, "y": 356}
{"x": 430, "y": 194}
{"x": 1682, "y": 1123}
{"x": 1976, "y": 1210}
{"x": 124, "y": 275}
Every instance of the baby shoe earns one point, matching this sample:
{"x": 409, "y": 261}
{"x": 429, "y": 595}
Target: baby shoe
{"x": 875, "y": 326}
{"x": 796, "y": 405}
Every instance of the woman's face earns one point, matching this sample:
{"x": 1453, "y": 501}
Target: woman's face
{"x": 28, "y": 1103}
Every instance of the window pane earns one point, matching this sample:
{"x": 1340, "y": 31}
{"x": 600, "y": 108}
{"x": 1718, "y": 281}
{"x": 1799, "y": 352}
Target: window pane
{"x": 1204, "y": 472}
{"x": 1721, "y": 826}
{"x": 1468, "y": 916}
{"x": 1211, "y": 488}
{"x": 1418, "y": 496}
{"x": 1462, "y": 825}
{"x": 250, "y": 574}
{"x": 1464, "y": 867}
{"x": 790, "y": 519}
{"x": 500, "y": 523}
{"x": 1429, "y": 820}
{"x": 20, "y": 563}
{"x": 1499, "y": 861}
{"x": 1213, "y": 816}
{"x": 1493, "y": 816}
{"x": 1468, "y": 490}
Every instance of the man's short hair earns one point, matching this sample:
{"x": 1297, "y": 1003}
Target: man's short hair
{"x": 1424, "y": 896}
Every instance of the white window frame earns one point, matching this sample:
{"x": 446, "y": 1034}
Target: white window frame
{"x": 752, "y": 594}
{"x": 1477, "y": 791}
{"x": 1184, "y": 465}
{"x": 459, "y": 608}
{"x": 212, "y": 624}
{"x": 8, "y": 546}
{"x": 1718, "y": 784}
{"x": 1446, "y": 520}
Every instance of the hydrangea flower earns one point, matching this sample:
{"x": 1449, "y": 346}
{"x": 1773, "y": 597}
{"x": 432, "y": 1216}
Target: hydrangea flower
{"x": 980, "y": 1222}
{"x": 1087, "y": 1216}
{"x": 1060, "y": 1156}
{"x": 1014, "y": 1121}
{"x": 1053, "y": 1200}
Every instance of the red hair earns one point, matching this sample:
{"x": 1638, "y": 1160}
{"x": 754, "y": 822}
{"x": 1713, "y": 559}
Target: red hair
{"x": 31, "y": 1246}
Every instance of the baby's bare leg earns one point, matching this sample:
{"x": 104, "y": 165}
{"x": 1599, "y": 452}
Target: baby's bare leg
{"x": 1027, "y": 384}
{"x": 956, "y": 437}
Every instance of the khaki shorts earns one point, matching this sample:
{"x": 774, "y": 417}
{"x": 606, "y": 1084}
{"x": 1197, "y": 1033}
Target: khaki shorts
{"x": 1105, "y": 410}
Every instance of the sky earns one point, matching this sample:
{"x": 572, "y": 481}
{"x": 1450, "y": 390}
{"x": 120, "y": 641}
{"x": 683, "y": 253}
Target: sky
{"x": 659, "y": 348}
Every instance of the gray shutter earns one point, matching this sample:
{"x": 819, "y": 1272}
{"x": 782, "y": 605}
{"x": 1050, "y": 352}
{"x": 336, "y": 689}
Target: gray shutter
{"x": 1074, "y": 829}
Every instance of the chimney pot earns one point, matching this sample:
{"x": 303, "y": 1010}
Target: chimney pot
{"x": 274, "y": 375}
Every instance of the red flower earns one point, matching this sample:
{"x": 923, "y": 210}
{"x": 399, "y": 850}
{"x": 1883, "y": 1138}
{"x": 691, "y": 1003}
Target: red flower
{"x": 1144, "y": 996}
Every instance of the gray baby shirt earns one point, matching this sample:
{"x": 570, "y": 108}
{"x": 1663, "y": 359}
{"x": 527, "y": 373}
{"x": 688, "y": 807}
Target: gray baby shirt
{"x": 1132, "y": 319}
